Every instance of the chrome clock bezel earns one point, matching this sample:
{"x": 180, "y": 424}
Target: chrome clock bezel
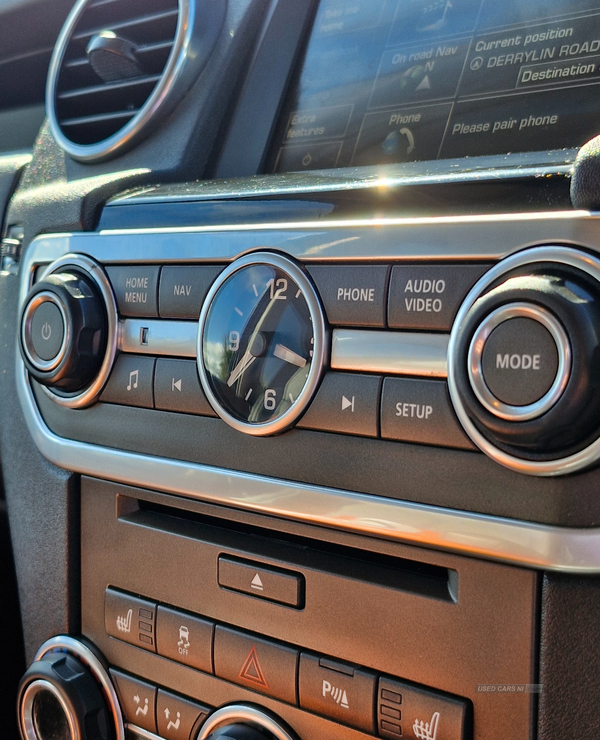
{"x": 320, "y": 333}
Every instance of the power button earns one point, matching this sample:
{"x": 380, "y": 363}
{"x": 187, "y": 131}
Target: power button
{"x": 44, "y": 330}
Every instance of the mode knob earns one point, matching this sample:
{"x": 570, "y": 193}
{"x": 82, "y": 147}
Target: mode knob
{"x": 524, "y": 361}
{"x": 68, "y": 330}
{"x": 66, "y": 695}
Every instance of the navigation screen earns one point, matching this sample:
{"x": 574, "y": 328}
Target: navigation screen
{"x": 387, "y": 81}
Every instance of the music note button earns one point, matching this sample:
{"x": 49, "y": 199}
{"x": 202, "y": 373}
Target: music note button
{"x": 131, "y": 382}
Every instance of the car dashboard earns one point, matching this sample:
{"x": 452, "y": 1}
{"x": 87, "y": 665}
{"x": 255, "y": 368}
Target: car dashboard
{"x": 300, "y": 389}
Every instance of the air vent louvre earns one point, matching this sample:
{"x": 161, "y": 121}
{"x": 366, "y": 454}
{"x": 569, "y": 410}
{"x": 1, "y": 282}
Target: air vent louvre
{"x": 89, "y": 109}
{"x": 118, "y": 63}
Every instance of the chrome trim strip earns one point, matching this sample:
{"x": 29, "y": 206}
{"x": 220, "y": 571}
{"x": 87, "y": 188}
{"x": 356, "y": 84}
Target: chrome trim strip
{"x": 173, "y": 338}
{"x": 140, "y": 732}
{"x": 562, "y": 466}
{"x": 512, "y": 541}
{"x": 390, "y": 352}
{"x": 65, "y": 643}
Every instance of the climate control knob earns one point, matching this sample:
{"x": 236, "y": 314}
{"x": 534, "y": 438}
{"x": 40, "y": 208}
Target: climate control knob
{"x": 68, "y": 329}
{"x": 66, "y": 695}
{"x": 243, "y": 722}
{"x": 524, "y": 361}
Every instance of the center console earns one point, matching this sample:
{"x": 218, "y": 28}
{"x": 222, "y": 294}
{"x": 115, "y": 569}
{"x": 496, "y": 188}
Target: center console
{"x": 332, "y": 435}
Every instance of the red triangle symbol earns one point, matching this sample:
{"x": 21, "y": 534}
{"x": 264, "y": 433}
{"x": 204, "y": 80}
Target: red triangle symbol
{"x": 251, "y": 670}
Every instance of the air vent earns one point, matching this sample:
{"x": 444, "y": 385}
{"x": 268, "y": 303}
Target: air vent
{"x": 119, "y": 63}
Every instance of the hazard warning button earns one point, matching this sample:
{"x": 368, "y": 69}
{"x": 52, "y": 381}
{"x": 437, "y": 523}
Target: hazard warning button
{"x": 256, "y": 664}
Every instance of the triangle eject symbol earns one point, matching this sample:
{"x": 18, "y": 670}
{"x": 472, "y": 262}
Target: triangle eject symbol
{"x": 252, "y": 671}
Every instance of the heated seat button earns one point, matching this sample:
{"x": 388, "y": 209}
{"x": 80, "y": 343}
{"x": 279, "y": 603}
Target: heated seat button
{"x": 429, "y": 296}
{"x": 520, "y": 361}
{"x": 414, "y": 713}
{"x": 340, "y": 691}
{"x": 271, "y": 584}
{"x": 420, "y": 411}
{"x": 130, "y": 619}
{"x": 137, "y": 699}
{"x": 183, "y": 290}
{"x": 346, "y": 403}
{"x": 131, "y": 382}
{"x": 136, "y": 289}
{"x": 353, "y": 295}
{"x": 177, "y": 388}
{"x": 184, "y": 638}
{"x": 177, "y": 717}
{"x": 256, "y": 664}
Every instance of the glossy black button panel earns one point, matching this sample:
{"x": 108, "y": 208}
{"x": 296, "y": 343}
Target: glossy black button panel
{"x": 343, "y": 692}
{"x": 346, "y": 403}
{"x": 135, "y": 288}
{"x": 427, "y": 297}
{"x": 130, "y": 619}
{"x": 178, "y": 718}
{"x": 353, "y": 295}
{"x": 177, "y": 388}
{"x": 183, "y": 290}
{"x": 283, "y": 587}
{"x": 257, "y": 664}
{"x": 137, "y": 699}
{"x": 131, "y": 382}
{"x": 337, "y": 690}
{"x": 416, "y": 713}
{"x": 185, "y": 638}
{"x": 414, "y": 410}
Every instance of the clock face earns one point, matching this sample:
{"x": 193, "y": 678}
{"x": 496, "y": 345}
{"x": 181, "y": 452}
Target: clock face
{"x": 259, "y": 345}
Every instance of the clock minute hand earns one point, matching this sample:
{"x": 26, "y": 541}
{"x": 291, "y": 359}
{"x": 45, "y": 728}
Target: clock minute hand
{"x": 247, "y": 359}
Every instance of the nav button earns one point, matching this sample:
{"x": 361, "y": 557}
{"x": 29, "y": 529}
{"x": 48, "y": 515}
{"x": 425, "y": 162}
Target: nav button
{"x": 346, "y": 403}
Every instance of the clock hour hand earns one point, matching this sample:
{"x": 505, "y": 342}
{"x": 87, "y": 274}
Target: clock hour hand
{"x": 287, "y": 355}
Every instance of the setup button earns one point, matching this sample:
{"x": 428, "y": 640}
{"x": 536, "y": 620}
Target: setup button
{"x": 420, "y": 411}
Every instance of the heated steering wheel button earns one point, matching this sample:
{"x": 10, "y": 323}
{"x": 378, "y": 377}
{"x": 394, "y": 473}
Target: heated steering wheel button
{"x": 520, "y": 361}
{"x": 47, "y": 331}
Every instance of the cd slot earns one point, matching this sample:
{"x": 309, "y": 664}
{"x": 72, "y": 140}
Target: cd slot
{"x": 284, "y": 550}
